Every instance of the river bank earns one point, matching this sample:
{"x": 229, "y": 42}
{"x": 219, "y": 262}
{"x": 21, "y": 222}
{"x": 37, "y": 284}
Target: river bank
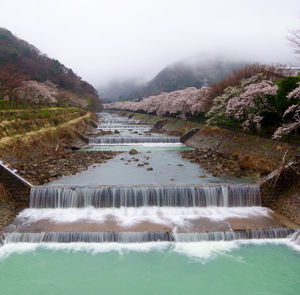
{"x": 48, "y": 154}
{"x": 231, "y": 153}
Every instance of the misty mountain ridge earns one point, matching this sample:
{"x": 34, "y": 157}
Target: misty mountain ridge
{"x": 192, "y": 72}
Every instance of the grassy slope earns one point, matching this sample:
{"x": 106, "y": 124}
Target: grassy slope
{"x": 17, "y": 122}
{"x": 30, "y": 135}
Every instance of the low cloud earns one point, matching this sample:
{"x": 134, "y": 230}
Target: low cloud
{"x": 106, "y": 40}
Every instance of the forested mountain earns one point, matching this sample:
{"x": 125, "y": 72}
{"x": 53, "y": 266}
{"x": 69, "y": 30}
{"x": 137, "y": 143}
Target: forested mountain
{"x": 23, "y": 65}
{"x": 195, "y": 72}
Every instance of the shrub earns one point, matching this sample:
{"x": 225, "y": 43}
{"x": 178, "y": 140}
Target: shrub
{"x": 286, "y": 86}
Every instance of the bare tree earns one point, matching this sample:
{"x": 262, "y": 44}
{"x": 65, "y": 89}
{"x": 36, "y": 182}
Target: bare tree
{"x": 294, "y": 39}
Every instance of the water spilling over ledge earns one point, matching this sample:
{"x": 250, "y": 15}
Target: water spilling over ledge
{"x": 138, "y": 139}
{"x": 118, "y": 120}
{"x": 121, "y": 126}
{"x": 160, "y": 196}
{"x": 295, "y": 237}
{"x": 143, "y": 237}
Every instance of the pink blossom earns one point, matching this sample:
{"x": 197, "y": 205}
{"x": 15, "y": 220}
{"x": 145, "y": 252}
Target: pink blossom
{"x": 294, "y": 111}
{"x": 295, "y": 93}
{"x": 180, "y": 102}
{"x": 36, "y": 92}
{"x": 251, "y": 103}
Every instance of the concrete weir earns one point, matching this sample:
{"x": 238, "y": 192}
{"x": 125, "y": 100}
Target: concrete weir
{"x": 138, "y": 196}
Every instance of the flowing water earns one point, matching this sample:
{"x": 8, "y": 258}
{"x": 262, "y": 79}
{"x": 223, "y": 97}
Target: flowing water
{"x": 119, "y": 228}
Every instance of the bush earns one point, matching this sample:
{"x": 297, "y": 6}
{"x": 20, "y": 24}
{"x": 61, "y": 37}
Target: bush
{"x": 285, "y": 86}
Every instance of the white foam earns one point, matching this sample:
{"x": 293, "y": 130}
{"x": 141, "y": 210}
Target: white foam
{"x": 93, "y": 248}
{"x": 16, "y": 248}
{"x": 176, "y": 144}
{"x": 203, "y": 251}
{"x": 127, "y": 216}
{"x": 199, "y": 251}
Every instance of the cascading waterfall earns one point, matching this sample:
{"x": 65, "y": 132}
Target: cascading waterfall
{"x": 138, "y": 139}
{"x": 161, "y": 196}
{"x": 142, "y": 237}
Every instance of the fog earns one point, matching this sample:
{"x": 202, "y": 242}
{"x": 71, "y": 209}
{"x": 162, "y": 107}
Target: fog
{"x": 106, "y": 40}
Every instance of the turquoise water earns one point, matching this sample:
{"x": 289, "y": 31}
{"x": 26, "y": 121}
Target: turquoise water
{"x": 188, "y": 269}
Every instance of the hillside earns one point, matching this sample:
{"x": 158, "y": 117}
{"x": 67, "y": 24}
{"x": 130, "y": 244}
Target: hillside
{"x": 193, "y": 72}
{"x": 29, "y": 77}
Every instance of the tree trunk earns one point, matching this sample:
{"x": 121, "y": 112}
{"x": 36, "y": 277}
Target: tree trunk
{"x": 11, "y": 101}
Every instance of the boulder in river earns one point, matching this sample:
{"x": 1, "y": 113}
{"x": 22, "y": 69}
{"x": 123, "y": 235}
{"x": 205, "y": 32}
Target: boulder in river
{"x": 133, "y": 152}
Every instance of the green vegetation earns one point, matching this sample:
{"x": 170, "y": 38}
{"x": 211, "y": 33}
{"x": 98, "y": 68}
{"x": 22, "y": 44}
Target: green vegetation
{"x": 285, "y": 86}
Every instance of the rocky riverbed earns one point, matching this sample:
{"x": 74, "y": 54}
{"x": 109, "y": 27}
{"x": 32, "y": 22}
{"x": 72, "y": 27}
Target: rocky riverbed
{"x": 64, "y": 162}
{"x": 217, "y": 163}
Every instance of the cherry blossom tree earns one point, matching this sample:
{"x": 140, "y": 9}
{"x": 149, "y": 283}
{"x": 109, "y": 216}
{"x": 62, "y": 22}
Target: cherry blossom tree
{"x": 295, "y": 93}
{"x": 294, "y": 112}
{"x": 250, "y": 106}
{"x": 35, "y": 92}
{"x": 190, "y": 101}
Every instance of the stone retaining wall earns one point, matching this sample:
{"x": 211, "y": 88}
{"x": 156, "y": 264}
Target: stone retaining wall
{"x": 279, "y": 182}
{"x": 16, "y": 186}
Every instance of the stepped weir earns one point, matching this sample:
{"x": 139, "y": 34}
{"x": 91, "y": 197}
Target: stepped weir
{"x": 106, "y": 219}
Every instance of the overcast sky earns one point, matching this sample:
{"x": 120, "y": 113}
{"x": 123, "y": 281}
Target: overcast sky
{"x": 101, "y": 40}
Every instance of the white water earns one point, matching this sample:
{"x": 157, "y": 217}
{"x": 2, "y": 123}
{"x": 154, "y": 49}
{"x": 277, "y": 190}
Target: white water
{"x": 199, "y": 250}
{"x": 169, "y": 216}
{"x": 144, "y": 237}
{"x": 145, "y": 144}
{"x": 133, "y": 139}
